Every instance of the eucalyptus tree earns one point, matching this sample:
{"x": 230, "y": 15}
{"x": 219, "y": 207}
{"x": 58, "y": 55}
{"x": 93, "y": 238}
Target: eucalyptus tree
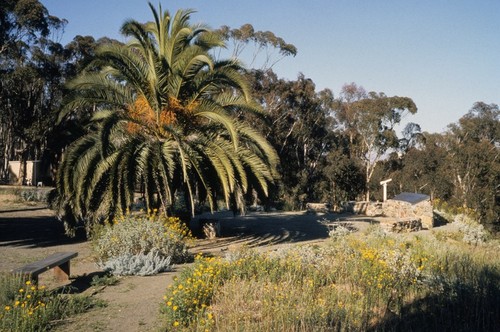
{"x": 422, "y": 168}
{"x": 474, "y": 161}
{"x": 300, "y": 128}
{"x": 262, "y": 47}
{"x": 369, "y": 120}
{"x": 30, "y": 76}
{"x": 165, "y": 122}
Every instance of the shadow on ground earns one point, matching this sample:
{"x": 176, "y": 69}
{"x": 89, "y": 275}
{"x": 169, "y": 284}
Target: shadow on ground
{"x": 267, "y": 229}
{"x": 29, "y": 230}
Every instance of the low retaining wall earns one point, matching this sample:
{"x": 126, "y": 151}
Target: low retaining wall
{"x": 370, "y": 209}
{"x": 400, "y": 210}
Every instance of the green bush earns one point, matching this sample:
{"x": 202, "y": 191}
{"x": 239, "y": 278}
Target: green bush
{"x": 9, "y": 287}
{"x": 188, "y": 299}
{"x": 126, "y": 244}
{"x": 473, "y": 232}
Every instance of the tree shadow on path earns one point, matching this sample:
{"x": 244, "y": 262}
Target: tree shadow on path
{"x": 29, "y": 229}
{"x": 266, "y": 229}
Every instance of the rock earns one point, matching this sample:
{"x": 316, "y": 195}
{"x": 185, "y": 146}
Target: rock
{"x": 406, "y": 226}
{"x": 317, "y": 207}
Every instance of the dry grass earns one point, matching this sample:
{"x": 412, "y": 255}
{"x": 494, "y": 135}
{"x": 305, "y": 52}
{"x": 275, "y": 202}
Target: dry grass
{"x": 357, "y": 283}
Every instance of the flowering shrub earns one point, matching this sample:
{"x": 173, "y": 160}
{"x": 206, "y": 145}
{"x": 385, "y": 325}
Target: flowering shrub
{"x": 135, "y": 235}
{"x": 34, "y": 308}
{"x": 27, "y": 311}
{"x": 364, "y": 282}
{"x": 188, "y": 299}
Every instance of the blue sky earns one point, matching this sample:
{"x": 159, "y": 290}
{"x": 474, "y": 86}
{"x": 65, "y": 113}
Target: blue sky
{"x": 445, "y": 55}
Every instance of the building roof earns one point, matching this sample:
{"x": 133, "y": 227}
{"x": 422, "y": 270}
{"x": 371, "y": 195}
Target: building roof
{"x": 412, "y": 198}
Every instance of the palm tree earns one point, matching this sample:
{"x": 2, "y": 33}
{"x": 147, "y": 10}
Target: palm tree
{"x": 166, "y": 121}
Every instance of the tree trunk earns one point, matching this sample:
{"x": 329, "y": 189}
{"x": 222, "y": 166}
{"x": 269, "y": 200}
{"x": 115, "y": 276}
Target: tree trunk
{"x": 7, "y": 152}
{"x": 367, "y": 184}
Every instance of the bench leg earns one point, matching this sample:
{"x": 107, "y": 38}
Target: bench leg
{"x": 61, "y": 272}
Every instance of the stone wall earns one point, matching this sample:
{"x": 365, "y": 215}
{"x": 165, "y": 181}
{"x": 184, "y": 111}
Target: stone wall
{"x": 404, "y": 210}
{"x": 317, "y": 207}
{"x": 370, "y": 209}
{"x": 400, "y": 210}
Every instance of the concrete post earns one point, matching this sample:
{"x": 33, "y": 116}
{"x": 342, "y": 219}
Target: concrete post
{"x": 384, "y": 186}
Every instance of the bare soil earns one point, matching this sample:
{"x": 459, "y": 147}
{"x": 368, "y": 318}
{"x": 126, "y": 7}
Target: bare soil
{"x": 30, "y": 233}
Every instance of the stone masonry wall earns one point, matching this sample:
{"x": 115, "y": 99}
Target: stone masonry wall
{"x": 404, "y": 210}
{"x": 399, "y": 210}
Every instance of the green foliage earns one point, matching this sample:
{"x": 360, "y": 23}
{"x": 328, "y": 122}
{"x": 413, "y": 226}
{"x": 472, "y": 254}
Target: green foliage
{"x": 263, "y": 42}
{"x": 346, "y": 178}
{"x": 451, "y": 210}
{"x": 188, "y": 299}
{"x": 459, "y": 169}
{"x": 28, "y": 307}
{"x": 368, "y": 120}
{"x": 134, "y": 242}
{"x": 171, "y": 130}
{"x": 104, "y": 280}
{"x": 298, "y": 125}
{"x": 9, "y": 287}
{"x": 473, "y": 232}
{"x": 362, "y": 283}
{"x": 32, "y": 70}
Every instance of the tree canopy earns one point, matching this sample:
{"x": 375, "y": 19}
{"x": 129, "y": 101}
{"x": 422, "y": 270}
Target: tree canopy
{"x": 166, "y": 116}
{"x": 166, "y": 122}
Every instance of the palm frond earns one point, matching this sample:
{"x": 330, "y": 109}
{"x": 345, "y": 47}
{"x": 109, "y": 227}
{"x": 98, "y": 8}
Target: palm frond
{"x": 166, "y": 121}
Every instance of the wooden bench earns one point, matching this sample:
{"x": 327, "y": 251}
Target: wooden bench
{"x": 58, "y": 261}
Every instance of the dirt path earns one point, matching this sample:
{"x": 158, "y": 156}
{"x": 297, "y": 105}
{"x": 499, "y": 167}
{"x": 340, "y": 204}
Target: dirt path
{"x": 132, "y": 304}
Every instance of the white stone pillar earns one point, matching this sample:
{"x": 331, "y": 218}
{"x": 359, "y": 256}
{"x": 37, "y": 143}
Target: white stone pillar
{"x": 384, "y": 186}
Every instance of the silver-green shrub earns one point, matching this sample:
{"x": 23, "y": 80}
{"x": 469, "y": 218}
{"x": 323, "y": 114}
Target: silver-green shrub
{"x": 140, "y": 264}
{"x": 34, "y": 195}
{"x": 339, "y": 232}
{"x": 473, "y": 232}
{"x": 135, "y": 235}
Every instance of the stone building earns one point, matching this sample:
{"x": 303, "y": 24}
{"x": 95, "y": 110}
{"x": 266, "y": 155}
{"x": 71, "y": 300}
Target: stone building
{"x": 407, "y": 206}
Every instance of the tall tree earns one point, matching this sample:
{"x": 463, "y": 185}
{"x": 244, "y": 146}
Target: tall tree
{"x": 423, "y": 168}
{"x": 30, "y": 79}
{"x": 300, "y": 129}
{"x": 263, "y": 44}
{"x": 369, "y": 120}
{"x": 166, "y": 121}
{"x": 474, "y": 157}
